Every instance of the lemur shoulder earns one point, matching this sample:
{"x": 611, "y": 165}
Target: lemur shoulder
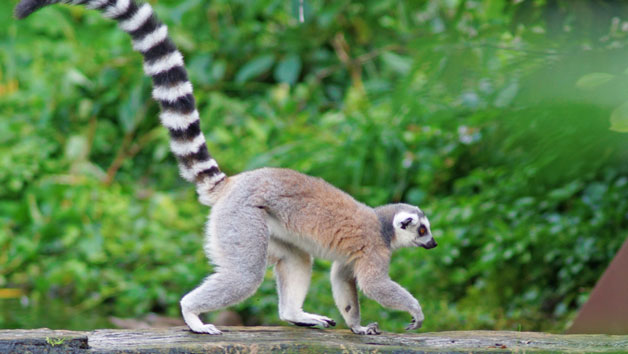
{"x": 268, "y": 216}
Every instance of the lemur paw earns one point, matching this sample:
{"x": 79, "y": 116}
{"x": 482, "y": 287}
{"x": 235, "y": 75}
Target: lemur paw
{"x": 196, "y": 325}
{"x": 310, "y": 320}
{"x": 370, "y": 329}
{"x": 415, "y": 324}
{"x": 207, "y": 329}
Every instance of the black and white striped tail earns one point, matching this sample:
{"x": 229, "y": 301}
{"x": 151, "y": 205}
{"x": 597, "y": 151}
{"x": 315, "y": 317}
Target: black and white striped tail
{"x": 171, "y": 88}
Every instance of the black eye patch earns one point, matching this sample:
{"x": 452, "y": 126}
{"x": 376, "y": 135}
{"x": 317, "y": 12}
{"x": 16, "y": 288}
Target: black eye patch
{"x": 422, "y": 230}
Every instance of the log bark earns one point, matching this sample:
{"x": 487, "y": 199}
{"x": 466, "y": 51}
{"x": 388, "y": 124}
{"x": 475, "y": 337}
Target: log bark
{"x": 298, "y": 340}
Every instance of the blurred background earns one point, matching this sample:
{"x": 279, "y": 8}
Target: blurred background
{"x": 505, "y": 121}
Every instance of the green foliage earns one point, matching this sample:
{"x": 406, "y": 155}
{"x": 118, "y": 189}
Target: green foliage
{"x": 492, "y": 116}
{"x": 619, "y": 118}
{"x": 55, "y": 341}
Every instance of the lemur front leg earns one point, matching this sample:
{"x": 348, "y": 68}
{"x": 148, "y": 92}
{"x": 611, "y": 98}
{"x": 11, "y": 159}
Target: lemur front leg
{"x": 293, "y": 269}
{"x": 346, "y": 297}
{"x": 377, "y": 285}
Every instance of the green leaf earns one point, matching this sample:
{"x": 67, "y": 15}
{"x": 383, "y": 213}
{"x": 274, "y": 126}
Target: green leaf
{"x": 619, "y": 118}
{"x": 218, "y": 69}
{"x": 507, "y": 95}
{"x": 199, "y": 67}
{"x": 288, "y": 69}
{"x": 593, "y": 80}
{"x": 397, "y": 62}
{"x": 76, "y": 148}
{"x": 255, "y": 67}
{"x": 77, "y": 78}
{"x": 130, "y": 110}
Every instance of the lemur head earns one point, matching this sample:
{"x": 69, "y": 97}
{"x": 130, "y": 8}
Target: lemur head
{"x": 404, "y": 225}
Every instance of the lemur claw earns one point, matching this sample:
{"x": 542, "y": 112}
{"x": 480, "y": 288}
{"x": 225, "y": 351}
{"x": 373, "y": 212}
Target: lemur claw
{"x": 316, "y": 320}
{"x": 207, "y": 329}
{"x": 370, "y": 329}
{"x": 373, "y": 328}
{"x": 303, "y": 324}
{"x": 414, "y": 324}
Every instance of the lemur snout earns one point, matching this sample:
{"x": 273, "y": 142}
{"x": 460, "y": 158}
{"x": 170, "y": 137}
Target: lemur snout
{"x": 431, "y": 244}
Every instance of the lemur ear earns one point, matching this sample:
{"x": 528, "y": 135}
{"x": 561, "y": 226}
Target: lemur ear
{"x": 405, "y": 223}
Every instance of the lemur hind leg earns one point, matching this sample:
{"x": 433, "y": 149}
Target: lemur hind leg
{"x": 238, "y": 248}
{"x": 345, "y": 294}
{"x": 293, "y": 270}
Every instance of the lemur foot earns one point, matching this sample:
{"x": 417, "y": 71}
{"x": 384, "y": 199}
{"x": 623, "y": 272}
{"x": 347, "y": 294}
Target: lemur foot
{"x": 415, "y": 324}
{"x": 371, "y": 328}
{"x": 206, "y": 328}
{"x": 197, "y": 326}
{"x": 305, "y": 319}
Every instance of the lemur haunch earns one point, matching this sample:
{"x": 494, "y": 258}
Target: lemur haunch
{"x": 270, "y": 215}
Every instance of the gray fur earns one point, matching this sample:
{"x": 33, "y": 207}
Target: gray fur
{"x": 386, "y": 213}
{"x": 263, "y": 214}
{"x": 239, "y": 268}
{"x": 387, "y": 229}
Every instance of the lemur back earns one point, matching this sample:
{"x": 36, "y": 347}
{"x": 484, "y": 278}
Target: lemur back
{"x": 267, "y": 216}
{"x": 336, "y": 236}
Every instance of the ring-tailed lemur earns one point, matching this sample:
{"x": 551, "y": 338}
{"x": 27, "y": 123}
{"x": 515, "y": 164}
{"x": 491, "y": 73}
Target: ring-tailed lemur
{"x": 270, "y": 215}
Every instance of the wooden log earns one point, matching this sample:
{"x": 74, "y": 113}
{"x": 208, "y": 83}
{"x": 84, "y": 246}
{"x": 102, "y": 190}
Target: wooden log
{"x": 297, "y": 340}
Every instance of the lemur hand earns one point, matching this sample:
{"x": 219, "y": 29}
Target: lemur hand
{"x": 415, "y": 324}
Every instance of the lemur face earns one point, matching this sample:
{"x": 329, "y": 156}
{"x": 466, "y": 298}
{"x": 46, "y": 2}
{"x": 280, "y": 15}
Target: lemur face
{"x": 412, "y": 229}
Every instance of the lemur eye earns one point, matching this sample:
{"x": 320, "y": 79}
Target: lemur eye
{"x": 422, "y": 230}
